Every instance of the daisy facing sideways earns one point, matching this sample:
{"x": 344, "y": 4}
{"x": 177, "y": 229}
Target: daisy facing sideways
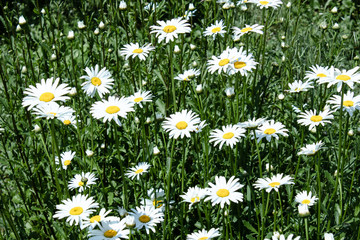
{"x": 215, "y": 29}
{"x": 138, "y": 170}
{"x": 194, "y": 195}
{"x": 247, "y": 29}
{"x": 181, "y": 124}
{"x": 82, "y": 181}
{"x": 92, "y": 222}
{"x": 305, "y": 198}
{"x": 350, "y": 103}
{"x": 140, "y": 97}
{"x": 299, "y": 86}
{"x": 282, "y": 237}
{"x": 44, "y": 92}
{"x": 170, "y": 29}
{"x": 270, "y": 129}
{"x": 76, "y": 209}
{"x": 229, "y": 135}
{"x": 311, "y": 119}
{"x": 66, "y": 158}
{"x": 110, "y": 230}
{"x": 97, "y": 81}
{"x": 188, "y": 75}
{"x": 273, "y": 183}
{"x": 311, "y": 149}
{"x": 223, "y": 192}
{"x": 112, "y": 109}
{"x": 51, "y": 110}
{"x": 203, "y": 234}
{"x": 340, "y": 77}
{"x": 252, "y": 123}
{"x": 147, "y": 217}
{"x": 266, "y": 4}
{"x": 135, "y": 50}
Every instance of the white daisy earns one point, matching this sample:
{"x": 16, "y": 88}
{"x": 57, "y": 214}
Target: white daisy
{"x": 97, "y": 81}
{"x": 200, "y": 127}
{"x": 247, "y": 29}
{"x": 266, "y": 4}
{"x": 282, "y": 237}
{"x": 273, "y": 183}
{"x": 203, "y": 234}
{"x": 215, "y": 29}
{"x": 252, "y": 123}
{"x": 138, "y": 170}
{"x": 243, "y": 63}
{"x": 76, "y": 209}
{"x": 66, "y": 158}
{"x": 155, "y": 199}
{"x": 194, "y": 195}
{"x": 311, "y": 119}
{"x": 189, "y": 13}
{"x": 317, "y": 73}
{"x": 221, "y": 63}
{"x": 112, "y": 109}
{"x": 223, "y": 192}
{"x": 181, "y": 124}
{"x": 45, "y": 92}
{"x": 170, "y": 29}
{"x": 188, "y": 75}
{"x": 329, "y": 236}
{"x": 141, "y": 97}
{"x": 338, "y": 77}
{"x": 110, "y": 230}
{"x": 147, "y": 217}
{"x": 299, "y": 86}
{"x": 135, "y": 50}
{"x": 230, "y": 135}
{"x": 311, "y": 149}
{"x": 305, "y": 198}
{"x": 82, "y": 181}
{"x": 51, "y": 110}
{"x": 68, "y": 119}
{"x": 350, "y": 103}
{"x": 92, "y": 222}
{"x": 270, "y": 129}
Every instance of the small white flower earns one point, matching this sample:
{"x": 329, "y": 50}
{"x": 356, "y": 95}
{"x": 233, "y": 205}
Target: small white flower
{"x": 22, "y": 20}
{"x": 81, "y": 25}
{"x": 122, "y": 5}
{"x": 101, "y": 25}
{"x": 70, "y": 35}
{"x": 89, "y": 153}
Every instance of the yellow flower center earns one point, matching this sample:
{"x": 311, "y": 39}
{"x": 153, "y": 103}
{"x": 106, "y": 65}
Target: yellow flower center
{"x": 139, "y": 171}
{"x": 203, "y": 238}
{"x": 144, "y": 219}
{"x": 53, "y": 113}
{"x": 216, "y": 29}
{"x": 95, "y": 218}
{"x": 139, "y": 99}
{"x": 138, "y": 50}
{"x": 76, "y": 211}
{"x": 343, "y": 77}
{"x": 112, "y": 109}
{"x": 228, "y": 135}
{"x": 223, "y": 192}
{"x": 67, "y": 122}
{"x": 239, "y": 65}
{"x": 306, "y": 201}
{"x": 169, "y": 29}
{"x": 181, "y": 125}
{"x": 245, "y": 30}
{"x": 110, "y": 233}
{"x": 96, "y": 81}
{"x": 81, "y": 183}
{"x": 274, "y": 184}
{"x": 348, "y": 103}
{"x": 195, "y": 199}
{"x": 264, "y": 2}
{"x": 321, "y": 75}
{"x": 67, "y": 162}
{"x": 223, "y": 62}
{"x": 269, "y": 131}
{"x": 157, "y": 204}
{"x": 316, "y": 118}
{"x": 46, "y": 97}
{"x": 298, "y": 89}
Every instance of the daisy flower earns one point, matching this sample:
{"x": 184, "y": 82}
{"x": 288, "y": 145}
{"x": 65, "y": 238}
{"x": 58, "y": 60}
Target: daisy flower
{"x": 350, "y": 103}
{"x": 203, "y": 234}
{"x": 97, "y": 81}
{"x": 266, "y": 4}
{"x": 135, "y": 50}
{"x": 68, "y": 119}
{"x": 229, "y": 135}
{"x": 282, "y": 237}
{"x": 180, "y": 124}
{"x": 66, "y": 158}
{"x": 44, "y": 92}
{"x": 200, "y": 127}
{"x": 112, "y": 109}
{"x": 243, "y": 62}
{"x": 82, "y": 181}
{"x": 311, "y": 149}
{"x": 299, "y": 86}
{"x": 156, "y": 199}
{"x": 51, "y": 110}
{"x": 188, "y": 75}
{"x": 170, "y": 29}
{"x": 215, "y": 29}
{"x": 138, "y": 170}
{"x": 305, "y": 198}
{"x": 339, "y": 77}
{"x": 247, "y": 29}
{"x": 311, "y": 119}
{"x": 194, "y": 195}
{"x": 110, "y": 230}
{"x": 221, "y": 63}
{"x": 147, "y": 217}
{"x": 223, "y": 192}
{"x": 329, "y": 236}
{"x": 189, "y": 13}
{"x": 252, "y": 123}
{"x": 76, "y": 209}
{"x": 140, "y": 97}
{"x": 270, "y": 129}
{"x": 273, "y": 183}
{"x": 317, "y": 72}
{"x": 95, "y": 220}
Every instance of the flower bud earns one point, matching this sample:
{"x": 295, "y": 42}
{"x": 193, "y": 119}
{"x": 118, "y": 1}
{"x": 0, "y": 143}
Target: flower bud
{"x": 148, "y": 120}
{"x": 102, "y": 25}
{"x": 243, "y": 8}
{"x": 229, "y": 92}
{"x": 156, "y": 150}
{"x": 345, "y": 37}
{"x": 313, "y": 130}
{"x": 351, "y": 133}
{"x": 199, "y": 88}
{"x": 102, "y": 146}
{"x": 130, "y": 221}
{"x": 177, "y": 49}
{"x": 22, "y": 20}
{"x": 122, "y": 5}
{"x": 70, "y": 35}
{"x": 137, "y": 120}
{"x": 43, "y": 11}
{"x": 24, "y": 69}
{"x": 37, "y": 128}
{"x": 72, "y": 91}
{"x": 191, "y": 7}
{"x": 194, "y": 64}
{"x": 89, "y": 153}
{"x": 281, "y": 96}
{"x": 143, "y": 83}
{"x": 53, "y": 57}
{"x": 192, "y": 47}
{"x": 334, "y": 10}
{"x": 323, "y": 25}
{"x": 226, "y": 6}
{"x": 158, "y": 116}
{"x": 336, "y": 26}
{"x": 18, "y": 28}
{"x": 288, "y": 5}
{"x": 97, "y": 31}
{"x": 329, "y": 236}
{"x": 81, "y": 25}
